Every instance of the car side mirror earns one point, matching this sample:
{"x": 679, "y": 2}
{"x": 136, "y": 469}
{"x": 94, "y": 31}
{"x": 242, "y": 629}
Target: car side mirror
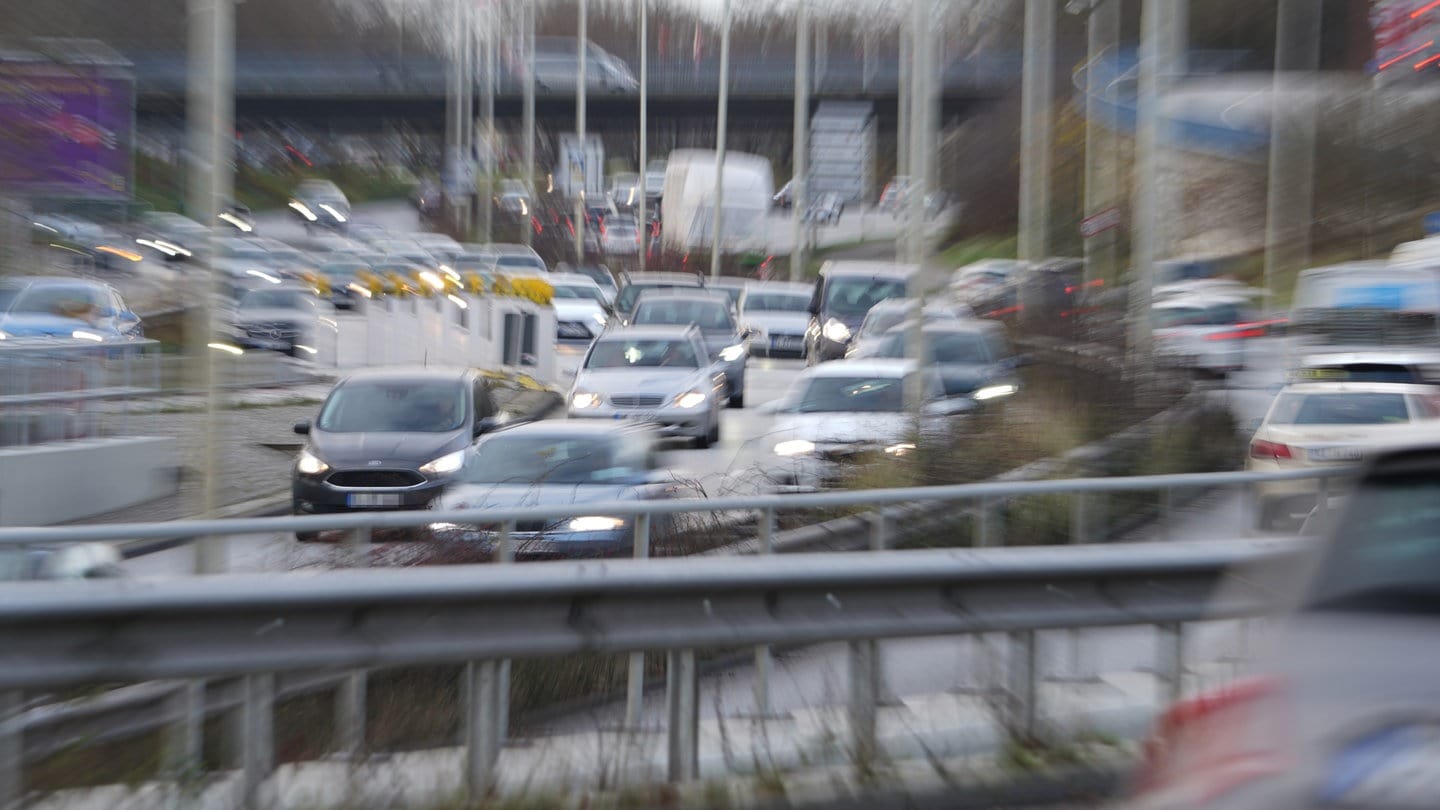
{"x": 485, "y": 425}
{"x": 303, "y": 427}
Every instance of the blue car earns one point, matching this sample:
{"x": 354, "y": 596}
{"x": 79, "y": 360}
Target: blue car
{"x": 65, "y": 308}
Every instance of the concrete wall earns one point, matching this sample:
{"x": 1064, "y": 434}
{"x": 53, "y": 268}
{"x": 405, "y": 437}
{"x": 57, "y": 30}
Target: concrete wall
{"x": 55, "y": 483}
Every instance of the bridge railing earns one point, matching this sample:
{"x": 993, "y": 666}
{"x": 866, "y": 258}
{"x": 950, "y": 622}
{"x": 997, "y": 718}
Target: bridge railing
{"x": 51, "y": 389}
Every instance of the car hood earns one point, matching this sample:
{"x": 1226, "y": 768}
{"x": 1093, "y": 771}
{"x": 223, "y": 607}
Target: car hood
{"x": 40, "y": 325}
{"x": 668, "y": 382}
{"x": 966, "y": 378}
{"x": 789, "y": 322}
{"x": 505, "y": 496}
{"x": 844, "y": 428}
{"x": 406, "y": 450}
{"x": 573, "y": 309}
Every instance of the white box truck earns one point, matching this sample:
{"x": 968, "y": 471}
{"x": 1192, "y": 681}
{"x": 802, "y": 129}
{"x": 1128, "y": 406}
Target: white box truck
{"x": 687, "y": 204}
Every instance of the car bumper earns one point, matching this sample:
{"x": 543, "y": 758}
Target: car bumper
{"x": 315, "y": 497}
{"x": 1298, "y": 490}
{"x": 827, "y": 349}
{"x": 548, "y": 545}
{"x": 670, "y": 421}
{"x": 777, "y": 344}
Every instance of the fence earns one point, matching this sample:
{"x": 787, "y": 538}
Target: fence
{"x": 254, "y": 627}
{"x": 50, "y": 390}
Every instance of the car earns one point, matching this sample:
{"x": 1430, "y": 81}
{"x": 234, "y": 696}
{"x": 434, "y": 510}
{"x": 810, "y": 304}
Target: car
{"x": 429, "y": 197}
{"x": 620, "y": 239}
{"x": 320, "y": 203}
{"x": 1418, "y": 366}
{"x": 726, "y": 341}
{"x": 601, "y": 275}
{"x": 65, "y": 308}
{"x": 513, "y": 198}
{"x": 581, "y": 311}
{"x": 775, "y": 313}
{"x": 972, "y": 358}
{"x": 518, "y": 259}
{"x": 732, "y": 286}
{"x": 842, "y": 297}
{"x": 625, "y": 190}
{"x": 368, "y": 232}
{"x": 290, "y": 262}
{"x": 849, "y": 412}
{"x": 439, "y": 245}
{"x": 634, "y": 284}
{"x": 343, "y": 277}
{"x": 980, "y": 280}
{"x": 1206, "y": 332}
{"x": 890, "y": 313}
{"x": 784, "y": 199}
{"x": 283, "y": 318}
{"x": 391, "y": 439}
{"x": 894, "y": 195}
{"x": 658, "y": 374}
{"x": 826, "y": 209}
{"x": 1332, "y": 424}
{"x": 173, "y": 236}
{"x": 1335, "y": 707}
{"x": 562, "y": 463}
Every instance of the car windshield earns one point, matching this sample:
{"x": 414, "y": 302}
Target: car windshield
{"x": 643, "y": 353}
{"x": 342, "y": 270}
{"x": 1386, "y": 552}
{"x": 526, "y": 262}
{"x": 69, "y": 302}
{"x": 1351, "y": 408}
{"x": 855, "y": 296}
{"x": 402, "y": 406}
{"x": 578, "y": 291}
{"x": 852, "y": 395}
{"x": 249, "y": 254}
{"x": 599, "y": 276}
{"x": 949, "y": 347}
{"x": 776, "y": 302}
{"x": 632, "y": 292}
{"x": 273, "y": 299}
{"x": 708, "y": 315}
{"x": 551, "y": 460}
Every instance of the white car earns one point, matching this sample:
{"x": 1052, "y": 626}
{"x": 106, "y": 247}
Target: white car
{"x": 1333, "y": 424}
{"x": 980, "y": 280}
{"x": 850, "y": 412}
{"x": 1205, "y": 332}
{"x": 620, "y": 239}
{"x": 581, "y": 312}
{"x": 777, "y": 312}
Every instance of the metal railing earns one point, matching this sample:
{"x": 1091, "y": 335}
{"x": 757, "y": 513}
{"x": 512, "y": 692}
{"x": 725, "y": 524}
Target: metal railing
{"x": 53, "y": 390}
{"x": 252, "y": 627}
{"x": 190, "y": 705}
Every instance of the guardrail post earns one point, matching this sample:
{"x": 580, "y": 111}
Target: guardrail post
{"x": 351, "y": 695}
{"x": 258, "y": 742}
{"x": 507, "y": 556}
{"x": 482, "y": 726}
{"x": 864, "y": 700}
{"x": 186, "y": 734}
{"x": 635, "y": 675}
{"x": 983, "y": 534}
{"x": 1322, "y": 504}
{"x": 1170, "y": 659}
{"x": 1021, "y": 695}
{"x": 766, "y": 529}
{"x": 682, "y": 703}
{"x": 358, "y": 545}
{"x": 1078, "y": 529}
{"x": 12, "y": 748}
{"x": 879, "y": 531}
{"x": 1167, "y": 508}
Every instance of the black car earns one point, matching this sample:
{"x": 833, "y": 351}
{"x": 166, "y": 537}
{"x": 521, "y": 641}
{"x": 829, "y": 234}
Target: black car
{"x": 843, "y": 296}
{"x": 390, "y": 439}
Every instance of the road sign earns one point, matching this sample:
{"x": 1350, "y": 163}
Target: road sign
{"x": 1098, "y": 223}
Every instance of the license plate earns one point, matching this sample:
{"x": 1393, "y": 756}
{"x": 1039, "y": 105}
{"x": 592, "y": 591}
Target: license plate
{"x": 785, "y": 342}
{"x": 1397, "y": 768}
{"x": 1335, "y": 453}
{"x": 373, "y": 499}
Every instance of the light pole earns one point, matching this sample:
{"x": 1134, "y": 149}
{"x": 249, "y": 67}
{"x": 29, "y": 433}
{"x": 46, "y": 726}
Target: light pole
{"x": 644, "y": 128}
{"x": 1035, "y": 129}
{"x": 1102, "y": 27}
{"x": 486, "y": 201}
{"x": 1292, "y": 144}
{"x": 583, "y": 51}
{"x": 915, "y": 203}
{"x": 800, "y": 182}
{"x": 527, "y": 12}
{"x": 1154, "y": 24}
{"x": 720, "y": 127}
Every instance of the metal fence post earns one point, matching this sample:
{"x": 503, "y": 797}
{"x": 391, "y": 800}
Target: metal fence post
{"x": 635, "y": 676}
{"x": 1021, "y": 695}
{"x": 12, "y": 748}
{"x": 864, "y": 700}
{"x": 258, "y": 743}
{"x": 1078, "y": 531}
{"x": 1170, "y": 658}
{"x": 682, "y": 703}
{"x": 1167, "y": 511}
{"x": 507, "y": 556}
{"x": 763, "y": 660}
{"x": 1322, "y": 504}
{"x": 350, "y": 698}
{"x": 186, "y": 734}
{"x": 983, "y": 535}
{"x": 879, "y": 531}
{"x": 482, "y": 726}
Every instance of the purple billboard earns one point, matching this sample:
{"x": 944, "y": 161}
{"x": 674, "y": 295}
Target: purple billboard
{"x": 65, "y": 130}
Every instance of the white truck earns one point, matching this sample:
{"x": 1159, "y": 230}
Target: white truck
{"x": 687, "y": 204}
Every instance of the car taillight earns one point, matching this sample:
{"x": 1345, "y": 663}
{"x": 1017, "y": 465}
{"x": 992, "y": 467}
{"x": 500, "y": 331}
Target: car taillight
{"x": 1211, "y": 744}
{"x": 1269, "y": 450}
{"x": 1239, "y": 333}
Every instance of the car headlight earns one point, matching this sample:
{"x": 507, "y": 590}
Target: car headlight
{"x": 583, "y": 400}
{"x": 595, "y": 523}
{"x": 901, "y": 449}
{"x": 995, "y": 392}
{"x": 732, "y": 353}
{"x": 794, "y": 447}
{"x": 448, "y": 463}
{"x": 836, "y": 331}
{"x": 690, "y": 399}
{"x": 310, "y": 464}
{"x": 598, "y": 317}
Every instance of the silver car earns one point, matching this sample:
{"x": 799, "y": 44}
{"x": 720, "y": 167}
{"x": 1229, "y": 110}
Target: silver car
{"x": 657, "y": 374}
{"x": 581, "y": 310}
{"x": 777, "y": 313}
{"x": 726, "y": 342}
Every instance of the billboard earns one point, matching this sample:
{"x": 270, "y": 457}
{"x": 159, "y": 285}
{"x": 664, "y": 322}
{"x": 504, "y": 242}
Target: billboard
{"x": 65, "y": 130}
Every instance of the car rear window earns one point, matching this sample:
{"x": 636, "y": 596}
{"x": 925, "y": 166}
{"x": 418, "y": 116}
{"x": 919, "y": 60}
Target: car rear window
{"x": 1349, "y": 408}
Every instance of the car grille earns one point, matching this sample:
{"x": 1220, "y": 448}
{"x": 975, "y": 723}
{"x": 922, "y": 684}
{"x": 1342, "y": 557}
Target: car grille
{"x": 849, "y": 454}
{"x": 272, "y": 330}
{"x": 571, "y": 329}
{"x": 636, "y": 401}
{"x": 376, "y": 478}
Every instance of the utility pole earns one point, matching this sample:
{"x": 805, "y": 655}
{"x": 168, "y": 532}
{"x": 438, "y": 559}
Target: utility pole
{"x": 720, "y": 127}
{"x": 1154, "y": 56}
{"x": 486, "y": 201}
{"x": 1036, "y": 134}
{"x": 1102, "y": 180}
{"x": 904, "y": 46}
{"x": 644, "y": 127}
{"x": 210, "y": 110}
{"x": 800, "y": 181}
{"x": 1290, "y": 198}
{"x": 527, "y": 12}
{"x": 921, "y": 68}
{"x": 580, "y": 90}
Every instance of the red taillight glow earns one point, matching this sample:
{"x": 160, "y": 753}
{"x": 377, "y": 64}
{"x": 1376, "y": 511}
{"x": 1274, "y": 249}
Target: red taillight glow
{"x": 1273, "y": 451}
{"x": 1208, "y": 745}
{"x": 1240, "y": 332}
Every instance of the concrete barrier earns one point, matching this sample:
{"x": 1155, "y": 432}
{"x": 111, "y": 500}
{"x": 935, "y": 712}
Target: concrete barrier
{"x": 42, "y": 485}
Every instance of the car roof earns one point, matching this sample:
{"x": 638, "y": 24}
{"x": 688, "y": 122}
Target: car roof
{"x": 968, "y": 326}
{"x": 685, "y": 294}
{"x": 572, "y": 278}
{"x": 510, "y": 249}
{"x": 1357, "y": 388}
{"x": 727, "y": 281}
{"x": 1200, "y": 300}
{"x": 651, "y": 277}
{"x": 849, "y": 268}
{"x": 53, "y": 281}
{"x": 1391, "y": 358}
{"x": 649, "y": 330}
{"x": 791, "y": 287}
{"x": 873, "y": 367}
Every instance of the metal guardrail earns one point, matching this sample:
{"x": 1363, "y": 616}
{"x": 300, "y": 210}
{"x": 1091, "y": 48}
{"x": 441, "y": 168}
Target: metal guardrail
{"x": 48, "y": 387}
{"x": 252, "y": 627}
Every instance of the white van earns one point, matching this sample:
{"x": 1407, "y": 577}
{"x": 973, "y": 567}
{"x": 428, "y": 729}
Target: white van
{"x": 687, "y": 202}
